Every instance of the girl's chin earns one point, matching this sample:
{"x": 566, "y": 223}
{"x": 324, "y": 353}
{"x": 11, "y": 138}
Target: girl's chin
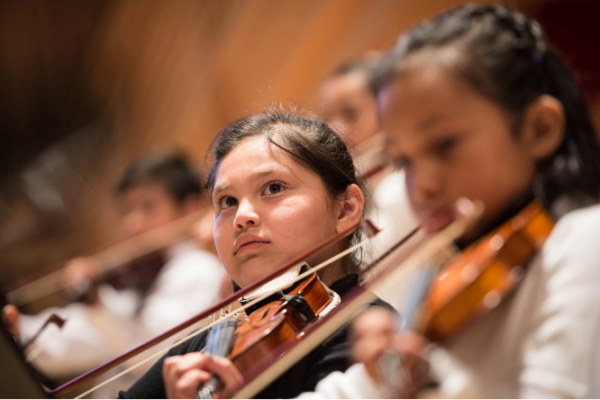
{"x": 258, "y": 266}
{"x": 257, "y": 273}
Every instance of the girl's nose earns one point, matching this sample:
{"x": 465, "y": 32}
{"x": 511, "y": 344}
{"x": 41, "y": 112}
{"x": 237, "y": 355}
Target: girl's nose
{"x": 423, "y": 181}
{"x": 246, "y": 215}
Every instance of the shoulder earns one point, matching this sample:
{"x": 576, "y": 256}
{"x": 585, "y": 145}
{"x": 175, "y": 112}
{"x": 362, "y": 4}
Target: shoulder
{"x": 575, "y": 240}
{"x": 196, "y": 256}
{"x": 579, "y": 222}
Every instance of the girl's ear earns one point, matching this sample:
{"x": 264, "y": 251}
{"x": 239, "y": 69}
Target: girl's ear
{"x": 543, "y": 127}
{"x": 351, "y": 208}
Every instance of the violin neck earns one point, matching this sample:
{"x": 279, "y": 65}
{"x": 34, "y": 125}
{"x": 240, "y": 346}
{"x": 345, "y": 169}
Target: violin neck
{"x": 219, "y": 342}
{"x": 420, "y": 285}
{"x": 221, "y": 337}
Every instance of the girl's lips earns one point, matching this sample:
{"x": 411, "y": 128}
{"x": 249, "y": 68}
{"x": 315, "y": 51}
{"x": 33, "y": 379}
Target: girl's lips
{"x": 251, "y": 246}
{"x": 438, "y": 220}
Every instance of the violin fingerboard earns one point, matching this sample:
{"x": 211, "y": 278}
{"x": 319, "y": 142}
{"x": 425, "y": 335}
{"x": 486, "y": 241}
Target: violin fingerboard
{"x": 221, "y": 338}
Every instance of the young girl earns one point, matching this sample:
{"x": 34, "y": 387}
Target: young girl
{"x": 477, "y": 104}
{"x": 280, "y": 185}
{"x": 349, "y": 100}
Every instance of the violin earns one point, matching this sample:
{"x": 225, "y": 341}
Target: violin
{"x": 446, "y": 296}
{"x": 262, "y": 332}
{"x": 479, "y": 278}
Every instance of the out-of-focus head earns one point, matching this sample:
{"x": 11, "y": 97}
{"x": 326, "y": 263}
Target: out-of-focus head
{"x": 348, "y": 99}
{"x": 280, "y": 185}
{"x": 478, "y": 104}
{"x": 156, "y": 190}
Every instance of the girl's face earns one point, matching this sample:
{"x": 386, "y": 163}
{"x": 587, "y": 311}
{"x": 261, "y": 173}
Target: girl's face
{"x": 268, "y": 210}
{"x": 349, "y": 104}
{"x": 452, "y": 143}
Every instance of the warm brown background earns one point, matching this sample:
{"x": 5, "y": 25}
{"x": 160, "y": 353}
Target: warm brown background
{"x": 128, "y": 77}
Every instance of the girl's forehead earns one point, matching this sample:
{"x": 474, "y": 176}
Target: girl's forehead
{"x": 431, "y": 94}
{"x": 254, "y": 151}
{"x": 252, "y": 159}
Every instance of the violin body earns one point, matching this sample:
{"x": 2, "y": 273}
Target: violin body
{"x": 476, "y": 280}
{"x": 277, "y": 322}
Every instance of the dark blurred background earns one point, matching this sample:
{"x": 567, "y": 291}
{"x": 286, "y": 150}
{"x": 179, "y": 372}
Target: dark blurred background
{"x": 117, "y": 79}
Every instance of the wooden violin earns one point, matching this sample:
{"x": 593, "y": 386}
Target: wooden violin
{"x": 260, "y": 335}
{"x": 479, "y": 278}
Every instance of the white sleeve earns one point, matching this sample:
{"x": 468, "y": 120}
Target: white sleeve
{"x": 561, "y": 354}
{"x": 79, "y": 346}
{"x": 392, "y": 213}
{"x": 190, "y": 283}
{"x": 355, "y": 383}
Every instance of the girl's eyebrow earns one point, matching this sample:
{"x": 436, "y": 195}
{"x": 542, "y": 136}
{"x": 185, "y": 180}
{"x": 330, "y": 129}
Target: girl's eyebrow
{"x": 252, "y": 176}
{"x": 221, "y": 188}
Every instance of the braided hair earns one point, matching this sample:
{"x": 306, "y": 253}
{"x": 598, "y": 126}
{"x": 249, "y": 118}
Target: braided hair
{"x": 505, "y": 57}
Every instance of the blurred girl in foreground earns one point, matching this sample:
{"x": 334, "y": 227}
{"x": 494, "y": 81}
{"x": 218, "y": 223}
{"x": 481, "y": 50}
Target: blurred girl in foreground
{"x": 477, "y": 104}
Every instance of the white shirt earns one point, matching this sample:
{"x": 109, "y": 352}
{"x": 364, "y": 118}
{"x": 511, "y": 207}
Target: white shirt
{"x": 392, "y": 212}
{"x": 187, "y": 284}
{"x": 544, "y": 341}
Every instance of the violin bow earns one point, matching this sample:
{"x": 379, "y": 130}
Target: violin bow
{"x": 370, "y": 229}
{"x": 110, "y": 259}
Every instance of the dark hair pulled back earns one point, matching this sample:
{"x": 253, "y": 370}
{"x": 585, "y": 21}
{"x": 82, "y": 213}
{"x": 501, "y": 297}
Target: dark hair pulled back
{"x": 172, "y": 170}
{"x": 309, "y": 142}
{"x": 504, "y": 56}
{"x": 368, "y": 67}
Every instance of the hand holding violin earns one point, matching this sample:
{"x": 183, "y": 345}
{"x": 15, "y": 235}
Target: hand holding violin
{"x": 184, "y": 375}
{"x": 391, "y": 358}
{"x": 10, "y": 317}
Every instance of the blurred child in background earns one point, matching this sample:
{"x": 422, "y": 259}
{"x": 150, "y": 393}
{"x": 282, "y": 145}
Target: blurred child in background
{"x": 348, "y": 97}
{"x": 144, "y": 301}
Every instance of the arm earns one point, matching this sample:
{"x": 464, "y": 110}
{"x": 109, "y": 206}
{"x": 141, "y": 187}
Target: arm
{"x": 189, "y": 283}
{"x": 561, "y": 354}
{"x": 94, "y": 334}
{"x": 355, "y": 383}
{"x": 152, "y": 384}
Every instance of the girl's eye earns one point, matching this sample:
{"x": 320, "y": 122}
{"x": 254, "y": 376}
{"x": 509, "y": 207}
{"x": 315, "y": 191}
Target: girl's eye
{"x": 226, "y": 202}
{"x": 444, "y": 145}
{"x": 350, "y": 115}
{"x": 273, "y": 188}
{"x": 402, "y": 162}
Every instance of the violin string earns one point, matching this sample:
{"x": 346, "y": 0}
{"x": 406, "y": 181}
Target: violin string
{"x": 212, "y": 323}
